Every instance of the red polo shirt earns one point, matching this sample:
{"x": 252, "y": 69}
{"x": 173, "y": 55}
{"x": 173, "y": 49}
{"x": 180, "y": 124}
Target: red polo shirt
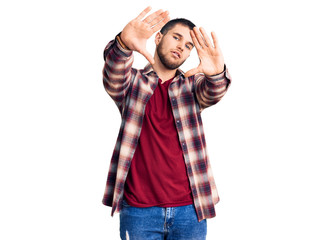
{"x": 157, "y": 176}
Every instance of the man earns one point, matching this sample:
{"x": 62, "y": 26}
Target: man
{"x": 160, "y": 178}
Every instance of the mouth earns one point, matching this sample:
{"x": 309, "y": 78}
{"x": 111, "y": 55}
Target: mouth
{"x": 176, "y": 54}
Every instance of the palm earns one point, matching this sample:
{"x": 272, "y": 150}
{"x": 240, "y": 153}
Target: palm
{"x": 210, "y": 56}
{"x": 137, "y": 32}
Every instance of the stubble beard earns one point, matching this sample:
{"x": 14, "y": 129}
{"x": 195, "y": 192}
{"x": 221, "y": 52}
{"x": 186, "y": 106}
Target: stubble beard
{"x": 164, "y": 60}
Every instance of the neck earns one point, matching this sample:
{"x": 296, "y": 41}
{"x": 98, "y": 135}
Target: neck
{"x": 162, "y": 72}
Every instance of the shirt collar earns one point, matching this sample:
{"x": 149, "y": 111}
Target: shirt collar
{"x": 149, "y": 69}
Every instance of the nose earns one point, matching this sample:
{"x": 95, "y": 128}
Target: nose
{"x": 180, "y": 46}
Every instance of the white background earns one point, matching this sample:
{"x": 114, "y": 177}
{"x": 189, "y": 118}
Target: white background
{"x": 269, "y": 139}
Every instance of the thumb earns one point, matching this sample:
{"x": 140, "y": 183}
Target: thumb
{"x": 148, "y": 56}
{"x": 192, "y": 72}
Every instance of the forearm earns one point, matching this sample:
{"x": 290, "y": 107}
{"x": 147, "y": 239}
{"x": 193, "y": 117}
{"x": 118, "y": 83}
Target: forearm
{"x": 117, "y": 70}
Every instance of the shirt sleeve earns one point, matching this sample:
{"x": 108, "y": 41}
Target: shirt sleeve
{"x": 117, "y": 71}
{"x": 210, "y": 89}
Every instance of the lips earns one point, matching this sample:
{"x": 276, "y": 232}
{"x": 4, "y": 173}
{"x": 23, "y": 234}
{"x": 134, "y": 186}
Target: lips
{"x": 176, "y": 54}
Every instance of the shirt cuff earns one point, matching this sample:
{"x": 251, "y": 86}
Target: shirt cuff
{"x": 218, "y": 76}
{"x": 121, "y": 46}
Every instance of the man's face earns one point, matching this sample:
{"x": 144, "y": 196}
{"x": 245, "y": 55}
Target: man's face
{"x": 175, "y": 46}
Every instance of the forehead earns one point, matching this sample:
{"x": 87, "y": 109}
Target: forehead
{"x": 184, "y": 31}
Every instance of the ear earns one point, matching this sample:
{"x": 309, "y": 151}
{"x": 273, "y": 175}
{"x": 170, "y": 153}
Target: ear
{"x": 158, "y": 38}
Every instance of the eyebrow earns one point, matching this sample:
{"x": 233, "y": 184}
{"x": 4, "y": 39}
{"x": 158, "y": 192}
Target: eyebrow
{"x": 181, "y": 36}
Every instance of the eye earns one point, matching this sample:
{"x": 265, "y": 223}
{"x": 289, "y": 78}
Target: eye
{"x": 189, "y": 47}
{"x": 175, "y": 37}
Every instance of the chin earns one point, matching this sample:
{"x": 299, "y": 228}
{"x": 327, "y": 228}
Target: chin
{"x": 170, "y": 62}
{"x": 174, "y": 64}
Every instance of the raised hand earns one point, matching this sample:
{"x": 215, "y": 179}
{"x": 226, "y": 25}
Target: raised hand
{"x": 138, "y": 31}
{"x": 210, "y": 55}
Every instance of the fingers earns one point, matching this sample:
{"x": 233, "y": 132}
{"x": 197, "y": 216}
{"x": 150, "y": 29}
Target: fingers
{"x": 202, "y": 39}
{"x": 152, "y": 16}
{"x": 143, "y": 13}
{"x": 205, "y": 37}
{"x": 194, "y": 39}
{"x": 215, "y": 41}
{"x": 199, "y": 38}
{"x": 158, "y": 18}
{"x": 160, "y": 24}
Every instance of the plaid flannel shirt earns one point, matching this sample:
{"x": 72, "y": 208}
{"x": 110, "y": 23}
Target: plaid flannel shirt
{"x": 131, "y": 89}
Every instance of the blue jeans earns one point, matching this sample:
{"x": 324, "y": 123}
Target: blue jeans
{"x": 158, "y": 223}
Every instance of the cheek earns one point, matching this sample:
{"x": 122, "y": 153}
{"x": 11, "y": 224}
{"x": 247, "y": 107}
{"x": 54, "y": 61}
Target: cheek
{"x": 187, "y": 53}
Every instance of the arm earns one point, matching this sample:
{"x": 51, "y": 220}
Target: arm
{"x": 210, "y": 89}
{"x": 117, "y": 71}
{"x": 118, "y": 56}
{"x": 210, "y": 86}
